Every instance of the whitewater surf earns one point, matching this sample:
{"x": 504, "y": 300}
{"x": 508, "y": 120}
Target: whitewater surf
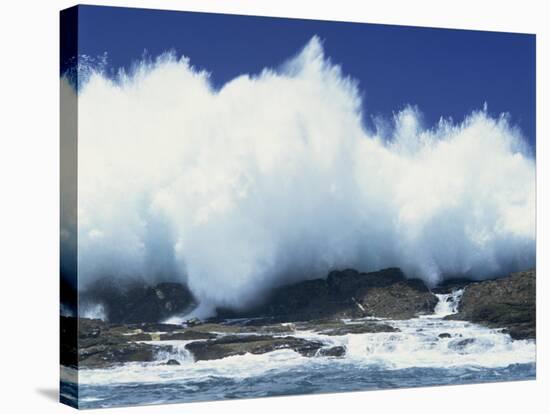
{"x": 427, "y": 350}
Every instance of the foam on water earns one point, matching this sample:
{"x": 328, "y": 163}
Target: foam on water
{"x": 417, "y": 345}
{"x": 178, "y": 352}
{"x": 448, "y": 303}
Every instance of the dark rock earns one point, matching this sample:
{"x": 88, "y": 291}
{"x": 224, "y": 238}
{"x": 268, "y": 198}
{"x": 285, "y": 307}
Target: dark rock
{"x": 451, "y": 284}
{"x": 186, "y": 336}
{"x": 152, "y": 327}
{"x": 335, "y": 351}
{"x": 104, "y": 339}
{"x": 337, "y": 327}
{"x": 461, "y": 344}
{"x": 345, "y": 294}
{"x": 444, "y": 335}
{"x": 107, "y": 355}
{"x": 90, "y": 328}
{"x": 193, "y": 322}
{"x": 139, "y": 302}
{"x": 402, "y": 300}
{"x": 267, "y": 328}
{"x": 521, "y": 331}
{"x": 348, "y": 282}
{"x": 255, "y": 344}
{"x": 172, "y": 362}
{"x": 508, "y": 303}
{"x": 141, "y": 337}
{"x": 214, "y": 327}
{"x": 102, "y": 345}
{"x": 68, "y": 351}
{"x": 94, "y": 332}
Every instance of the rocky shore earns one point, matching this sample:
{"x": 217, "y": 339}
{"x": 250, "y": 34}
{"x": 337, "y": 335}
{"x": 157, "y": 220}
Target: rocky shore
{"x": 508, "y": 303}
{"x": 139, "y": 302}
{"x": 346, "y": 294}
{"x": 323, "y": 306}
{"x": 102, "y": 345}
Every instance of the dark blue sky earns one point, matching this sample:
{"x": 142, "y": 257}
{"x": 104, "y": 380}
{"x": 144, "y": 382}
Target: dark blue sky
{"x": 443, "y": 72}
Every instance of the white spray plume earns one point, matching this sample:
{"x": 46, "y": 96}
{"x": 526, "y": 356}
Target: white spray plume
{"x": 274, "y": 179}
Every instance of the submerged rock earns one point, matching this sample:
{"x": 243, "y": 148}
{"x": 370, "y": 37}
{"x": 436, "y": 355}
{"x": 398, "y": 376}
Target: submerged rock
{"x": 335, "y": 351}
{"x": 508, "y": 303}
{"x": 461, "y": 344}
{"x": 232, "y": 345}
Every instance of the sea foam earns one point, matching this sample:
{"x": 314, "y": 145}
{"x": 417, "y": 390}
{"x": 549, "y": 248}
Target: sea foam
{"x": 273, "y": 178}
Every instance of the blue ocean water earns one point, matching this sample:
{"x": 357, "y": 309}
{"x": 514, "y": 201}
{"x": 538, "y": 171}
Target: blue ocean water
{"x": 335, "y": 378}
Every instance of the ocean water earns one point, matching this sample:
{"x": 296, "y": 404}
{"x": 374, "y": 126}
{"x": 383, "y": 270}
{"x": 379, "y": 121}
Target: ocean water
{"x": 414, "y": 357}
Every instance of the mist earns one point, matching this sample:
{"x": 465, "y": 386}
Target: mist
{"x": 274, "y": 178}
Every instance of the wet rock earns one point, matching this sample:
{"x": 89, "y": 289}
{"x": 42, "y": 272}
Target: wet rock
{"x": 335, "y": 351}
{"x": 337, "y": 327}
{"x": 461, "y": 344}
{"x": 451, "y": 284}
{"x": 254, "y": 344}
{"x": 402, "y": 300}
{"x": 90, "y": 328}
{"x": 214, "y": 327}
{"x": 264, "y": 327}
{"x": 107, "y": 355}
{"x": 444, "y": 335}
{"x": 172, "y": 362}
{"x": 521, "y": 331}
{"x": 345, "y": 294}
{"x": 269, "y": 328}
{"x": 102, "y": 345}
{"x": 508, "y": 303}
{"x": 68, "y": 341}
{"x": 141, "y": 337}
{"x": 187, "y": 335}
{"x": 151, "y": 327}
{"x": 193, "y": 322}
{"x": 139, "y": 302}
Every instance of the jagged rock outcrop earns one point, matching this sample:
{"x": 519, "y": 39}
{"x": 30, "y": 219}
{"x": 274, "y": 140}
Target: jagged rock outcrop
{"x": 103, "y": 345}
{"x": 139, "y": 302}
{"x": 232, "y": 345}
{"x": 508, "y": 303}
{"x": 338, "y": 328}
{"x": 346, "y": 294}
{"x": 315, "y": 305}
{"x": 335, "y": 352}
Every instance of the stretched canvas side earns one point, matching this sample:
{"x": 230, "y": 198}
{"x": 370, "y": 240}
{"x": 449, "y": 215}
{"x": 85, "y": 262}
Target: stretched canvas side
{"x": 68, "y": 215}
